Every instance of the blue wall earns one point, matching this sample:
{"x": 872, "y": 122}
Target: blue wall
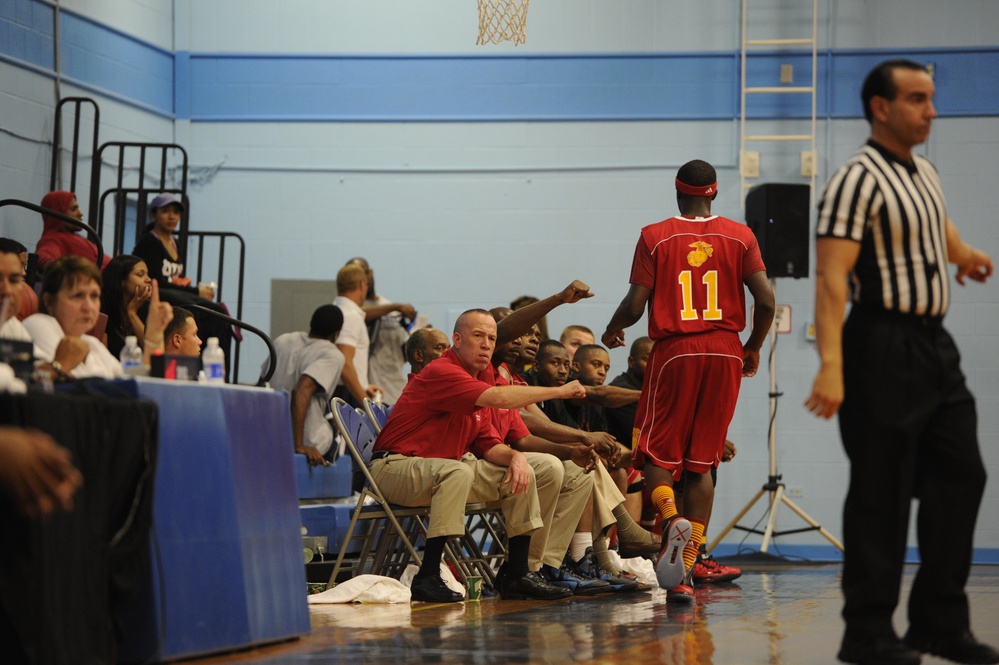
{"x": 460, "y": 88}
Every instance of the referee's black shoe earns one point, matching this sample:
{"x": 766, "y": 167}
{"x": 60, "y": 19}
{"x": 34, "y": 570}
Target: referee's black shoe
{"x": 962, "y": 649}
{"x": 879, "y": 651}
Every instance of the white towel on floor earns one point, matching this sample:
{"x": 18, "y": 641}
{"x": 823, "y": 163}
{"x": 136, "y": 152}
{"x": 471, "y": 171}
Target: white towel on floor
{"x": 365, "y": 589}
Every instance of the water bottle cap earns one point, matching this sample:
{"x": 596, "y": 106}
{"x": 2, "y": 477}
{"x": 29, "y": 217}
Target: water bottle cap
{"x": 131, "y": 339}
{"x": 213, "y": 341}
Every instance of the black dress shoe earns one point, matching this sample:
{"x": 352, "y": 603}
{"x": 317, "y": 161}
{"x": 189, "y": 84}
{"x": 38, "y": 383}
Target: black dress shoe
{"x": 962, "y": 649}
{"x": 879, "y": 651}
{"x": 532, "y": 587}
{"x": 432, "y": 589}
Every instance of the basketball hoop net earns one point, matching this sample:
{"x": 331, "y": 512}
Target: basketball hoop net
{"x": 502, "y": 20}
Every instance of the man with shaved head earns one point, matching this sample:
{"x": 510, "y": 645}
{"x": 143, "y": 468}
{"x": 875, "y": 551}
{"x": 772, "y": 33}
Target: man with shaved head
{"x": 440, "y": 448}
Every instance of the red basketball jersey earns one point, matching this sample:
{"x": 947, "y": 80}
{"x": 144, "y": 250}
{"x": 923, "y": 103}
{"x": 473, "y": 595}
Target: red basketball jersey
{"x": 696, "y": 269}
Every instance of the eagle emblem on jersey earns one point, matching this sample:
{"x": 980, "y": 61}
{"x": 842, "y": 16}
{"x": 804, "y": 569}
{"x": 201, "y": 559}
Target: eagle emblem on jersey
{"x": 702, "y": 251}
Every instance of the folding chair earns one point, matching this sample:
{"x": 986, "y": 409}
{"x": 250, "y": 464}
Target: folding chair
{"x": 378, "y": 413}
{"x": 391, "y": 530}
{"x": 479, "y": 551}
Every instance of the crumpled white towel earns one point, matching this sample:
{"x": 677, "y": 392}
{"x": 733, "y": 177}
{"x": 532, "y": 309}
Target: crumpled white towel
{"x": 364, "y": 589}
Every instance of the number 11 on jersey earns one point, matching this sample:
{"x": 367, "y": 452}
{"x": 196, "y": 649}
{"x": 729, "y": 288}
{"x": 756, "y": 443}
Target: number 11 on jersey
{"x": 710, "y": 282}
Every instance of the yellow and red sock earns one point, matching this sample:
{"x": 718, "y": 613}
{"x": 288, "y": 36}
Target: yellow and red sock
{"x": 697, "y": 529}
{"x": 664, "y": 501}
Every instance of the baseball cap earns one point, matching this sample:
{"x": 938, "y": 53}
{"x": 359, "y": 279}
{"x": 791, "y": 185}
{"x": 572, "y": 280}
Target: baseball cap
{"x": 165, "y": 199}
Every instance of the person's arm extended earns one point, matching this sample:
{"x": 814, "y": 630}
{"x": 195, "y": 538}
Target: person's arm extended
{"x": 971, "y": 262}
{"x": 159, "y": 316}
{"x": 521, "y": 320}
{"x": 301, "y": 397}
{"x": 372, "y": 312}
{"x": 514, "y": 397}
{"x": 611, "y": 397}
{"x": 835, "y": 258}
{"x": 763, "y": 318}
{"x": 626, "y": 315}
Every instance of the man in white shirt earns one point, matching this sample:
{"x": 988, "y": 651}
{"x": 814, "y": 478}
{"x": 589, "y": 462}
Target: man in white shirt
{"x": 353, "y": 342}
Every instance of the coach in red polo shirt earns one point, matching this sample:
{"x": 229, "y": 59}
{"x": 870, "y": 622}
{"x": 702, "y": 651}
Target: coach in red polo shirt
{"x": 439, "y": 448}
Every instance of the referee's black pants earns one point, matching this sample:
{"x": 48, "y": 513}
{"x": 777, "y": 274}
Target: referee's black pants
{"x": 909, "y": 427}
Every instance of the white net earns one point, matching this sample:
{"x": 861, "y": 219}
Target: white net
{"x": 502, "y": 21}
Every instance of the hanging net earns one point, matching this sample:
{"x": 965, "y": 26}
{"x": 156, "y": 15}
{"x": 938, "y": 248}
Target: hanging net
{"x": 502, "y": 21}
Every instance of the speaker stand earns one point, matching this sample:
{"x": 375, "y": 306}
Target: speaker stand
{"x": 774, "y": 487}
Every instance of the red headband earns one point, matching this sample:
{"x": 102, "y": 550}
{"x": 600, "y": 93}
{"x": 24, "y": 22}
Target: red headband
{"x": 693, "y": 190}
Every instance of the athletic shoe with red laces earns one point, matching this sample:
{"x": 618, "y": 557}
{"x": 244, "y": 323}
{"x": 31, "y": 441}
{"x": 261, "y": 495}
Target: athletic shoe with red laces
{"x": 709, "y": 571}
{"x": 670, "y": 570}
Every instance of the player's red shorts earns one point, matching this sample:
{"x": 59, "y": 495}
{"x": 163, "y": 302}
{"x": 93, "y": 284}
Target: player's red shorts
{"x": 688, "y": 400}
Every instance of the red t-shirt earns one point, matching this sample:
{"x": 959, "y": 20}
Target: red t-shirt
{"x": 436, "y": 415}
{"x": 696, "y": 269}
{"x": 507, "y": 422}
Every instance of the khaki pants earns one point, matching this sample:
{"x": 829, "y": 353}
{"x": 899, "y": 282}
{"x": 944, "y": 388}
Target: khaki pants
{"x": 550, "y": 543}
{"x": 446, "y": 485}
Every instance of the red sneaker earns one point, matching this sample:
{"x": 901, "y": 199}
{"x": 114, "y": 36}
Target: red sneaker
{"x": 680, "y": 594}
{"x": 709, "y": 571}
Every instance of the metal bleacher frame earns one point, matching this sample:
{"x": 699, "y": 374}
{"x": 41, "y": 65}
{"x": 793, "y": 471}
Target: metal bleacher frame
{"x": 153, "y": 166}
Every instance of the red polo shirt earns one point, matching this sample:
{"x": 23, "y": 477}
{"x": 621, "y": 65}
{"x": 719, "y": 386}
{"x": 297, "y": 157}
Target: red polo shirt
{"x": 436, "y": 415}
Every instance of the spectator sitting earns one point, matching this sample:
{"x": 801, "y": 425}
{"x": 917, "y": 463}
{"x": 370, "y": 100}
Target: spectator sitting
{"x": 158, "y": 248}
{"x": 525, "y": 359}
{"x": 180, "y": 338}
{"x": 424, "y": 346}
{"x": 437, "y": 449}
{"x": 29, "y": 299}
{"x": 308, "y": 367}
{"x": 575, "y": 336}
{"x": 61, "y": 238}
{"x": 11, "y": 279}
{"x": 126, "y": 287}
{"x": 524, "y": 301}
{"x": 71, "y": 291}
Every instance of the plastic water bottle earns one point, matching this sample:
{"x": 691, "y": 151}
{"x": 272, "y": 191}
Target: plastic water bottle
{"x": 131, "y": 356}
{"x": 213, "y": 361}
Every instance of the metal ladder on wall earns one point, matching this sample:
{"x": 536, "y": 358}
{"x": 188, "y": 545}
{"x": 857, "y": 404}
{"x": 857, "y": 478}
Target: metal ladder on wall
{"x": 749, "y": 160}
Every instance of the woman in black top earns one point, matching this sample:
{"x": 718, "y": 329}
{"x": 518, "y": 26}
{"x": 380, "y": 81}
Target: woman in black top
{"x": 127, "y": 286}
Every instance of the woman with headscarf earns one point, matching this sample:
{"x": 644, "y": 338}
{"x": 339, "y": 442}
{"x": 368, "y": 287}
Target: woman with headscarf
{"x": 61, "y": 238}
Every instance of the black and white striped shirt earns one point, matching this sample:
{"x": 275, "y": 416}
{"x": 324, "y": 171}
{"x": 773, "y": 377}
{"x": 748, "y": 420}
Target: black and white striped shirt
{"x": 896, "y": 211}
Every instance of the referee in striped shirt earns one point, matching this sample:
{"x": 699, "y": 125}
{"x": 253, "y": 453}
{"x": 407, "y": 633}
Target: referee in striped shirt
{"x": 906, "y": 417}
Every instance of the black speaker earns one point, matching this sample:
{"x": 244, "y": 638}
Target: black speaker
{"x": 778, "y": 215}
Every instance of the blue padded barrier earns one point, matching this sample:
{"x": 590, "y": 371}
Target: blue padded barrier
{"x": 322, "y": 482}
{"x": 226, "y": 567}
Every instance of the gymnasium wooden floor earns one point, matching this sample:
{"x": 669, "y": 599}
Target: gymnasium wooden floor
{"x": 777, "y": 613}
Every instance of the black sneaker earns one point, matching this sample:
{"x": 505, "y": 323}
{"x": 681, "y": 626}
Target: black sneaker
{"x": 432, "y": 589}
{"x": 591, "y": 567}
{"x": 531, "y": 586}
{"x": 962, "y": 649}
{"x": 569, "y": 576}
{"x": 880, "y": 651}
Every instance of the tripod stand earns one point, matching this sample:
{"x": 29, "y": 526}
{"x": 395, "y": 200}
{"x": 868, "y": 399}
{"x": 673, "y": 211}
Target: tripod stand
{"x": 774, "y": 487}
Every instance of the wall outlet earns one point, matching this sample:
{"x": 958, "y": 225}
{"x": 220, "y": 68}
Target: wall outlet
{"x": 808, "y": 163}
{"x": 750, "y": 164}
{"x": 810, "y": 331}
{"x": 793, "y": 491}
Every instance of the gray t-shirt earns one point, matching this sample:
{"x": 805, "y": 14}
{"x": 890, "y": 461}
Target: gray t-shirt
{"x": 298, "y": 354}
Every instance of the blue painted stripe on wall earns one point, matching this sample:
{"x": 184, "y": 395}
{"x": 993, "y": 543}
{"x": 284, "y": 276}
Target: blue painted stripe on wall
{"x": 26, "y": 32}
{"x": 686, "y": 86}
{"x": 111, "y": 60}
{"x": 593, "y": 87}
